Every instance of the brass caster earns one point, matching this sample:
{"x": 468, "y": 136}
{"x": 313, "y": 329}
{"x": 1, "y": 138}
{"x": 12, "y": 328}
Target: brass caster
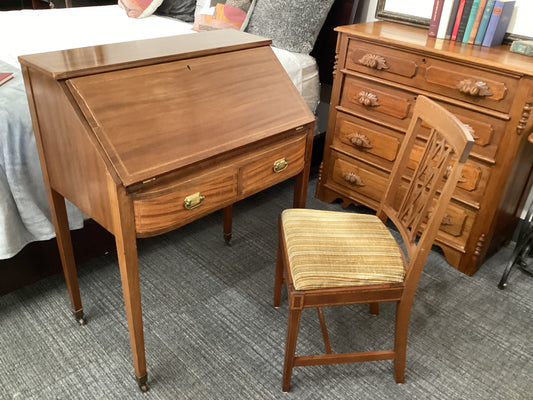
{"x": 227, "y": 238}
{"x": 78, "y": 315}
{"x": 142, "y": 382}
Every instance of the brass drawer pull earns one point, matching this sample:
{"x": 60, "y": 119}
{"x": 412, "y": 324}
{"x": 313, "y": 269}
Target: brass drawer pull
{"x": 474, "y": 88}
{"x": 368, "y": 99}
{"x": 280, "y": 165}
{"x": 360, "y": 140}
{"x": 374, "y": 61}
{"x": 353, "y": 178}
{"x": 193, "y": 201}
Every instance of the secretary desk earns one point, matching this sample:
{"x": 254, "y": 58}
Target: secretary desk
{"x": 147, "y": 136}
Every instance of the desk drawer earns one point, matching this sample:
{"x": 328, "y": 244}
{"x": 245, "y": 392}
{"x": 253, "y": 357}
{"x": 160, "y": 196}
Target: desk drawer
{"x": 272, "y": 165}
{"x": 180, "y": 203}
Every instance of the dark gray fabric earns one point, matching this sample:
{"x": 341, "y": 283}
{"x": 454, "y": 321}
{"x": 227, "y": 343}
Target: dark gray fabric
{"x": 292, "y": 25}
{"x": 211, "y": 332}
{"x": 179, "y": 9}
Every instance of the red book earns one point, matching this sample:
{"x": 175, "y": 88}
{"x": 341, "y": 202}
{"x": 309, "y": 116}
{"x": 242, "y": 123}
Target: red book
{"x": 458, "y": 19}
{"x": 5, "y": 76}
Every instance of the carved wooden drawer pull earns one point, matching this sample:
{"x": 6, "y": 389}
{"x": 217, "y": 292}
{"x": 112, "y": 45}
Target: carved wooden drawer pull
{"x": 446, "y": 220}
{"x": 353, "y": 178}
{"x": 360, "y": 140}
{"x": 472, "y": 131}
{"x": 280, "y": 165}
{"x": 474, "y": 88}
{"x": 193, "y": 201}
{"x": 368, "y": 99}
{"x": 462, "y": 179}
{"x": 374, "y": 61}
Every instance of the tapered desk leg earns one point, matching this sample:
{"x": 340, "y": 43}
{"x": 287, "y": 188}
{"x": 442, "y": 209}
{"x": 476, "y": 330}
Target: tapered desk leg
{"x": 66, "y": 253}
{"x": 227, "y": 213}
{"x": 301, "y": 180}
{"x": 125, "y": 238}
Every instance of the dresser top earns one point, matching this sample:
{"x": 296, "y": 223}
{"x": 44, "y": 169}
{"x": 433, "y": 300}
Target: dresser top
{"x": 401, "y": 35}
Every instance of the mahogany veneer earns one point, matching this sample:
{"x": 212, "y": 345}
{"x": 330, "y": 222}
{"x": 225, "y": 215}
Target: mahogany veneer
{"x": 150, "y": 135}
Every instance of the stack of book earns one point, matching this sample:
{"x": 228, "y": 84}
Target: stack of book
{"x": 479, "y": 22}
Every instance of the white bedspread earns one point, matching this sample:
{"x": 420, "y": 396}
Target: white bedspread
{"x": 24, "y": 213}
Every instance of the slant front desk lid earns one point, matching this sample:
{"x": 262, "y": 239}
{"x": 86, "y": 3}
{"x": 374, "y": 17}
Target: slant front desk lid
{"x": 160, "y": 104}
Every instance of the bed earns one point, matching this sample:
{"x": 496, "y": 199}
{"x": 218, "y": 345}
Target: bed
{"x": 24, "y": 213}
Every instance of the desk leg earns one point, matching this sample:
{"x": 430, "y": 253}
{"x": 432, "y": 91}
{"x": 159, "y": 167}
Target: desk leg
{"x": 64, "y": 244}
{"x": 301, "y": 181}
{"x": 124, "y": 225}
{"x": 227, "y": 213}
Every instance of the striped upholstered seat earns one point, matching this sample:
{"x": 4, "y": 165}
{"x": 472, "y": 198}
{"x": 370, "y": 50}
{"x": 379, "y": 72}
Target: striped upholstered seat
{"x": 332, "y": 249}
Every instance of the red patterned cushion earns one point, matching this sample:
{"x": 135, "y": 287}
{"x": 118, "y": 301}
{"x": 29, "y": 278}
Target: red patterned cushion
{"x": 223, "y": 14}
{"x": 139, "y": 8}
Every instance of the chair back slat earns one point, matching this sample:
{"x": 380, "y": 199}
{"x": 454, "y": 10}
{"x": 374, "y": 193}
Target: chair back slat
{"x": 416, "y": 201}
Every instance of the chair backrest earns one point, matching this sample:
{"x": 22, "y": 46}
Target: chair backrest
{"x": 429, "y": 164}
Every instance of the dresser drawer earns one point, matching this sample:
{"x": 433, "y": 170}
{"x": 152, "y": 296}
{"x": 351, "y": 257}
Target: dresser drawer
{"x": 357, "y": 180}
{"x": 471, "y": 185}
{"x": 462, "y": 82}
{"x": 166, "y": 208}
{"x": 377, "y": 101}
{"x": 272, "y": 165}
{"x": 393, "y": 107}
{"x": 366, "y": 140}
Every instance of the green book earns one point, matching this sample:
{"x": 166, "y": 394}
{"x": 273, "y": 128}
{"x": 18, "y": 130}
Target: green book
{"x": 484, "y": 22}
{"x": 471, "y": 18}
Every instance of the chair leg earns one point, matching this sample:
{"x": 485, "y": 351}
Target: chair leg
{"x": 374, "y": 308}
{"x": 290, "y": 347}
{"x": 324, "y": 329}
{"x": 403, "y": 311}
{"x": 279, "y": 275}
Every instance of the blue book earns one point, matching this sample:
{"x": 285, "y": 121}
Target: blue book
{"x": 470, "y": 23}
{"x": 484, "y": 21}
{"x": 499, "y": 21}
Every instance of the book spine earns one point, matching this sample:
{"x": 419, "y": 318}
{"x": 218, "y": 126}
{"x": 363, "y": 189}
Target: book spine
{"x": 464, "y": 20}
{"x": 451, "y": 20}
{"x": 458, "y": 19}
{"x": 495, "y": 38}
{"x": 475, "y": 27}
{"x": 435, "y": 18}
{"x": 484, "y": 22}
{"x": 470, "y": 22}
{"x": 493, "y": 22}
{"x": 444, "y": 18}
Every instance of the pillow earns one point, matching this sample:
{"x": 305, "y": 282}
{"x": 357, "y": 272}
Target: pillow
{"x": 139, "y": 8}
{"x": 223, "y": 14}
{"x": 292, "y": 25}
{"x": 179, "y": 9}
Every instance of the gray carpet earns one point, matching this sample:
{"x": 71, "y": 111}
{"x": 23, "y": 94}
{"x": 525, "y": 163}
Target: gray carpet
{"x": 211, "y": 332}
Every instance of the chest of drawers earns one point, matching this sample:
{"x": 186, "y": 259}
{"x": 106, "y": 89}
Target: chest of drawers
{"x": 380, "y": 69}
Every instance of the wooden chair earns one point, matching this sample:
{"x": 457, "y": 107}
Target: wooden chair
{"x": 328, "y": 258}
